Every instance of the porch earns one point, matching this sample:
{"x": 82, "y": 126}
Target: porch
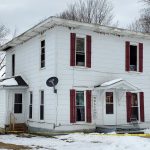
{"x": 13, "y": 101}
{"x": 119, "y": 104}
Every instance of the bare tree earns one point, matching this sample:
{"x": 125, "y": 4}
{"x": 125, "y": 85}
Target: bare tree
{"x": 143, "y": 23}
{"x": 3, "y": 33}
{"x": 89, "y": 11}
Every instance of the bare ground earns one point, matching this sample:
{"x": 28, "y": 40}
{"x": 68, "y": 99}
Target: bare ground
{"x": 13, "y": 146}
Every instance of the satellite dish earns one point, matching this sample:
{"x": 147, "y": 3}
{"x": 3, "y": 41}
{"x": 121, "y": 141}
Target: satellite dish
{"x": 52, "y": 82}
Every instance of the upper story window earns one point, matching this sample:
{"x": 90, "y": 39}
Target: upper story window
{"x": 134, "y": 57}
{"x": 13, "y": 65}
{"x": 43, "y": 54}
{"x": 80, "y": 50}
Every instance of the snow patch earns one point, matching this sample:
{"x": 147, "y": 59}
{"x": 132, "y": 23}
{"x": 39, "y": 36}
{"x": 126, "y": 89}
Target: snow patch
{"x": 111, "y": 82}
{"x": 9, "y": 82}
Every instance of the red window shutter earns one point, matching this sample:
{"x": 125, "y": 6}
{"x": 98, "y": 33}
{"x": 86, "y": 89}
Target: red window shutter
{"x": 127, "y": 59}
{"x": 72, "y": 48}
{"x": 142, "y": 106}
{"x": 140, "y": 57}
{"x": 128, "y": 104}
{"x": 88, "y": 106}
{"x": 72, "y": 106}
{"x": 88, "y": 51}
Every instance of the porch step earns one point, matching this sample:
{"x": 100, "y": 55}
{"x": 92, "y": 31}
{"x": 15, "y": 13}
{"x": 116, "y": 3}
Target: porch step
{"x": 19, "y": 127}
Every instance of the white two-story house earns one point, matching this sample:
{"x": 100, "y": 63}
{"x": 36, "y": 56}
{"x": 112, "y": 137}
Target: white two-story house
{"x": 103, "y": 73}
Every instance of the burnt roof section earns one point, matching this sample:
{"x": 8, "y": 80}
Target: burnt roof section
{"x": 54, "y": 21}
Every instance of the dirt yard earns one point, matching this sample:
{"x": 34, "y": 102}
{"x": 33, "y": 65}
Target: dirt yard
{"x": 12, "y": 146}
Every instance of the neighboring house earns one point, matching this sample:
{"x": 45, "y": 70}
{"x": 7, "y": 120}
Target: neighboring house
{"x": 103, "y": 72}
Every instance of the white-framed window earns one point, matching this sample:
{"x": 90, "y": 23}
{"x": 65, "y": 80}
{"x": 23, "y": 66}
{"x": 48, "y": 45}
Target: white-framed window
{"x": 42, "y": 53}
{"x": 80, "y": 106}
{"x": 41, "y": 105}
{"x": 18, "y": 103}
{"x": 134, "y": 57}
{"x": 13, "y": 65}
{"x": 30, "y": 105}
{"x": 109, "y": 103}
{"x": 80, "y": 51}
{"x": 135, "y": 106}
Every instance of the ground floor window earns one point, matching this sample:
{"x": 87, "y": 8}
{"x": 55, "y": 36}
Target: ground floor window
{"x": 80, "y": 106}
{"x": 109, "y": 103}
{"x": 30, "y": 105}
{"x": 42, "y": 105}
{"x": 135, "y": 108}
{"x": 18, "y": 103}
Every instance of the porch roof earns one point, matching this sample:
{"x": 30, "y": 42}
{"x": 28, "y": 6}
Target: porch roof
{"x": 118, "y": 84}
{"x": 16, "y": 81}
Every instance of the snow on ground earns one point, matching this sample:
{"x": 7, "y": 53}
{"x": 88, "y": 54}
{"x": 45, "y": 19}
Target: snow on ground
{"x": 81, "y": 141}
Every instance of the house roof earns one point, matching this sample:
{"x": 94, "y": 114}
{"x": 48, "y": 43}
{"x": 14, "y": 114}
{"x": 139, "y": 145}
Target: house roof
{"x": 54, "y": 21}
{"x": 13, "y": 81}
{"x": 119, "y": 84}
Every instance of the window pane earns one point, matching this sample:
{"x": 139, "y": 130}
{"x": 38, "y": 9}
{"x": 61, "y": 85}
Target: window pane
{"x": 43, "y": 43}
{"x": 42, "y": 112}
{"x": 134, "y": 100}
{"x": 42, "y": 97}
{"x": 42, "y": 64}
{"x": 133, "y": 58}
{"x": 13, "y": 64}
{"x": 18, "y": 98}
{"x": 80, "y": 113}
{"x": 18, "y": 108}
{"x": 80, "y": 59}
{"x": 109, "y": 97}
{"x": 80, "y": 98}
{"x": 30, "y": 111}
{"x": 80, "y": 44}
{"x": 42, "y": 57}
{"x": 43, "y": 51}
{"x": 109, "y": 108}
{"x": 135, "y": 114}
{"x": 31, "y": 97}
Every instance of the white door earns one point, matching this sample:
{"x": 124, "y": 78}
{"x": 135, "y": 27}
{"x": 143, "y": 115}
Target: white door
{"x": 18, "y": 107}
{"x": 109, "y": 106}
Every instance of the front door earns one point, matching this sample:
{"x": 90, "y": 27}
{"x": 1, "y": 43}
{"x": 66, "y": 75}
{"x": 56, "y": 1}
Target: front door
{"x": 109, "y": 108}
{"x": 18, "y": 107}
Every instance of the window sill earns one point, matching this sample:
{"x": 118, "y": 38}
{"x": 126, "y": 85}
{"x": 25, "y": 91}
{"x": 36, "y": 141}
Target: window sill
{"x": 134, "y": 72}
{"x": 80, "y": 67}
{"x": 81, "y": 123}
{"x": 43, "y": 68}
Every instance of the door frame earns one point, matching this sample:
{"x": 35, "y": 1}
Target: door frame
{"x": 110, "y": 119}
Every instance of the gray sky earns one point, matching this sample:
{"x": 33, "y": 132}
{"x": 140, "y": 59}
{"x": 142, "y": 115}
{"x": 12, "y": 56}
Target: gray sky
{"x": 23, "y": 14}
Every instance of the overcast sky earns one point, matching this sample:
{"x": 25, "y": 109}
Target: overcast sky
{"x": 23, "y": 14}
